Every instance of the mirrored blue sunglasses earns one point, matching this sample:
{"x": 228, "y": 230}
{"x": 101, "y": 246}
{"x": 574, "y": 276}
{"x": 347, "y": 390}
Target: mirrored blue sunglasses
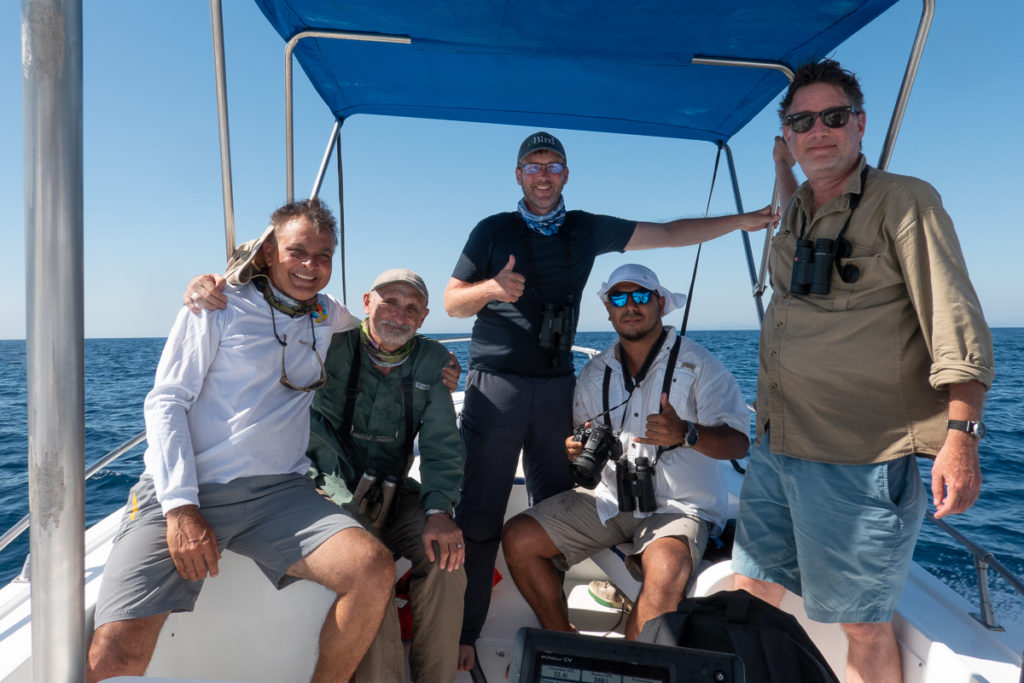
{"x": 619, "y": 299}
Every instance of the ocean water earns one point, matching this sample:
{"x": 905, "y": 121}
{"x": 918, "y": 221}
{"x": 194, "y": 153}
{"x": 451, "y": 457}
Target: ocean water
{"x": 119, "y": 373}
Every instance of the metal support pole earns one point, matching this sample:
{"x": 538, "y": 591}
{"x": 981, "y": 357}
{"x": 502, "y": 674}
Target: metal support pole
{"x": 319, "y": 180}
{"x": 986, "y": 615}
{"x": 758, "y": 304}
{"x": 927, "y": 13}
{"x": 341, "y": 222}
{"x": 52, "y": 86}
{"x": 289, "y": 137}
{"x": 759, "y": 279}
{"x": 217, "y": 22}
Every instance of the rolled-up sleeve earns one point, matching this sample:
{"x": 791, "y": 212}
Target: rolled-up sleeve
{"x": 948, "y": 310}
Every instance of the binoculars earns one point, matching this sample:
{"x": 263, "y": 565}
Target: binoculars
{"x": 812, "y": 265}
{"x": 556, "y": 328}
{"x": 373, "y": 497}
{"x": 635, "y": 485}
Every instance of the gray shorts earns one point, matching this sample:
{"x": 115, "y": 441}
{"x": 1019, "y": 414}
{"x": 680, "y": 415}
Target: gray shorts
{"x": 276, "y": 520}
{"x": 570, "y": 519}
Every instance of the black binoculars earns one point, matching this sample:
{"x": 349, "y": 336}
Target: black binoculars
{"x": 556, "y": 328}
{"x": 812, "y": 265}
{"x": 635, "y": 485}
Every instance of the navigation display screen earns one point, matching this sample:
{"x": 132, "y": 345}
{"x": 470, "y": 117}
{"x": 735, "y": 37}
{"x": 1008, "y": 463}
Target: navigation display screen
{"x": 553, "y": 657}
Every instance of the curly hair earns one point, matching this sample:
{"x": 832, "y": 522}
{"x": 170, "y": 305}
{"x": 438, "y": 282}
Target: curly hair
{"x": 313, "y": 210}
{"x": 827, "y": 71}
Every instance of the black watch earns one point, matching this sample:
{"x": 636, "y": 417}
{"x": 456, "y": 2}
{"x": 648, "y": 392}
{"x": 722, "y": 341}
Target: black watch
{"x": 692, "y": 435}
{"x": 972, "y": 427}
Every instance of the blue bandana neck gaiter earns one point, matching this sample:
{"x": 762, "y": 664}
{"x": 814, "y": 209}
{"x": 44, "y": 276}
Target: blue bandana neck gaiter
{"x": 549, "y": 223}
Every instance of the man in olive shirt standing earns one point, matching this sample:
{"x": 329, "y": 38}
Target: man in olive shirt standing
{"x": 873, "y": 350}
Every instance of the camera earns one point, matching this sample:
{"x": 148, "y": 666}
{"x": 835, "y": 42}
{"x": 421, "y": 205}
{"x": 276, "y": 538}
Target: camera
{"x": 373, "y": 497}
{"x": 556, "y": 328}
{"x": 635, "y": 485}
{"x": 812, "y": 265}
{"x": 599, "y": 445}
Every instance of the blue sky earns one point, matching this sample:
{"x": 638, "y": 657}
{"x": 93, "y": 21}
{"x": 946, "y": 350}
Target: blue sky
{"x": 414, "y": 188}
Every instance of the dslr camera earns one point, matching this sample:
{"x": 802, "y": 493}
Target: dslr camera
{"x": 599, "y": 445}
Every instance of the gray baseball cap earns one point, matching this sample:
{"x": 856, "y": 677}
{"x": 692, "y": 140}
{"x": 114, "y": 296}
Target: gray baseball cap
{"x": 538, "y": 142}
{"x": 405, "y": 276}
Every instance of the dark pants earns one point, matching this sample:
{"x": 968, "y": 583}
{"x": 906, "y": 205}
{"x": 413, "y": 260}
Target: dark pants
{"x": 502, "y": 414}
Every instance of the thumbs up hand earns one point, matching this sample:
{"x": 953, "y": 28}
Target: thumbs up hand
{"x": 510, "y": 284}
{"x": 665, "y": 428}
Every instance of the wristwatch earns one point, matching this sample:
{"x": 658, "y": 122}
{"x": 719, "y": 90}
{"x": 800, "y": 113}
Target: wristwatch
{"x": 690, "y": 437}
{"x": 692, "y": 434}
{"x": 972, "y": 427}
{"x": 437, "y": 511}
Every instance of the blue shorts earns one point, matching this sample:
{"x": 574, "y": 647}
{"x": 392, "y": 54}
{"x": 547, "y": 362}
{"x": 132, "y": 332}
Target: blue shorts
{"x": 840, "y": 536}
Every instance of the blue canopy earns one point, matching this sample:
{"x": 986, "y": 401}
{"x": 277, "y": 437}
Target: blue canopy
{"x": 575, "y": 64}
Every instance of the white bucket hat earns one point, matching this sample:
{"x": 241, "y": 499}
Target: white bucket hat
{"x": 645, "y": 277}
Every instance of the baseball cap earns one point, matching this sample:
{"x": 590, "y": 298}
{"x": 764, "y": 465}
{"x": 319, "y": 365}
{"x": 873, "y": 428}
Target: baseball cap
{"x": 645, "y": 277}
{"x": 538, "y": 142}
{"x": 405, "y": 276}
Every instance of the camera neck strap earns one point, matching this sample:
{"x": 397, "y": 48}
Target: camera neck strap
{"x": 631, "y": 384}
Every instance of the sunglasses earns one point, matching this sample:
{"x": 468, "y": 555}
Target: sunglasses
{"x": 833, "y": 117}
{"x": 319, "y": 383}
{"x": 554, "y": 168}
{"x": 619, "y": 299}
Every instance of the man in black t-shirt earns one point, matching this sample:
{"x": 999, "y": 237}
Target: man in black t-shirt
{"x": 521, "y": 274}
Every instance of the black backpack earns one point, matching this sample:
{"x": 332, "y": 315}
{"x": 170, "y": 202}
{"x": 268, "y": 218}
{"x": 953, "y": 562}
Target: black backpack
{"x": 773, "y": 646}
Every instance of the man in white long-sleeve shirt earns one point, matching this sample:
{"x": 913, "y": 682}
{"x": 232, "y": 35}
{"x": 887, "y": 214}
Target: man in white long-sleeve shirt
{"x": 228, "y": 423}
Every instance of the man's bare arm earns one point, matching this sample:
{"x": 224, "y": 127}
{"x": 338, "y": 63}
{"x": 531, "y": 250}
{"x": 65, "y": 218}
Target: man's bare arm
{"x": 784, "y": 162}
{"x": 956, "y": 473}
{"x": 686, "y": 231}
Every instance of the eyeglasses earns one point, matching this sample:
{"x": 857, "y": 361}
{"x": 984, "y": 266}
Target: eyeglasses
{"x": 284, "y": 343}
{"x": 554, "y": 168}
{"x": 833, "y": 117}
{"x": 619, "y": 299}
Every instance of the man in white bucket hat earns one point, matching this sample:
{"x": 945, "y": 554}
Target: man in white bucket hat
{"x": 669, "y": 409}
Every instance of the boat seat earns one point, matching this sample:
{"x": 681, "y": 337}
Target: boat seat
{"x": 612, "y": 561}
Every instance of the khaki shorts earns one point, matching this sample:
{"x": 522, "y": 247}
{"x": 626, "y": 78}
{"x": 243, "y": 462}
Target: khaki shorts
{"x": 570, "y": 519}
{"x": 275, "y": 520}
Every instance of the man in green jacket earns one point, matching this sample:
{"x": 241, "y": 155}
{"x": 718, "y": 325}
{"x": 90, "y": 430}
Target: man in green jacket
{"x": 384, "y": 388}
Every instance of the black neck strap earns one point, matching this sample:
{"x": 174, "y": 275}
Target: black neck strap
{"x": 344, "y": 431}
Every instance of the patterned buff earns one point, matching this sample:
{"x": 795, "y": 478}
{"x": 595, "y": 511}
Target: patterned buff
{"x": 549, "y": 223}
{"x": 281, "y": 301}
{"x": 379, "y": 356}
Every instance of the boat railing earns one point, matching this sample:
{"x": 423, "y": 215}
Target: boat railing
{"x": 983, "y": 559}
{"x": 22, "y": 524}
